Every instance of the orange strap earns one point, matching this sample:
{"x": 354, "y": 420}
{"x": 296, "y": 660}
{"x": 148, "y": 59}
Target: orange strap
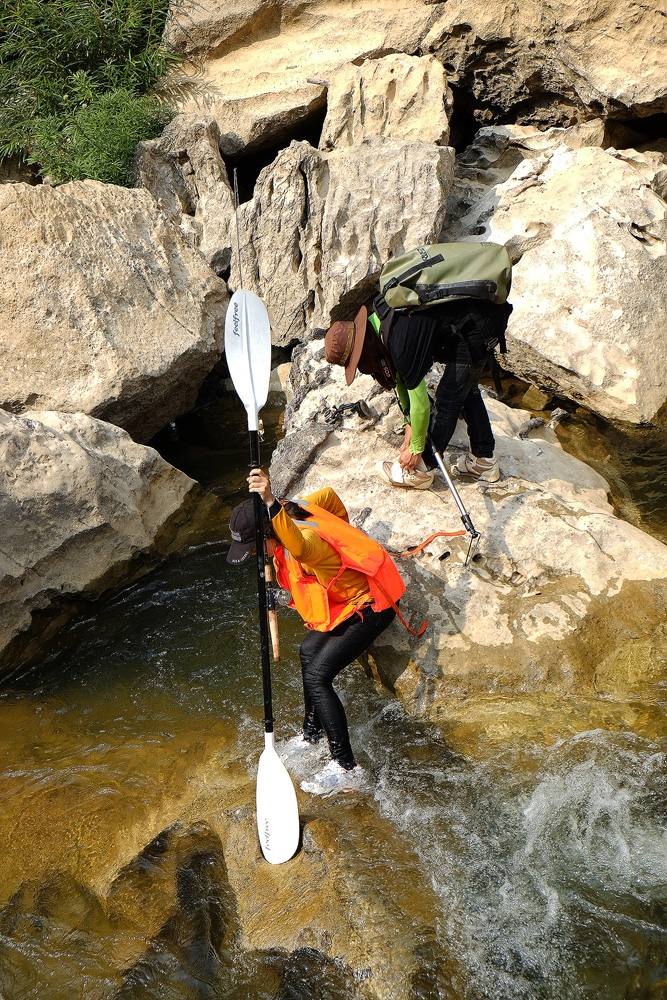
{"x": 417, "y": 633}
{"x": 414, "y": 550}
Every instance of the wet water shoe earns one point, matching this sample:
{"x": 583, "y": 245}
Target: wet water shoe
{"x": 484, "y": 470}
{"x": 333, "y": 779}
{"x": 413, "y": 479}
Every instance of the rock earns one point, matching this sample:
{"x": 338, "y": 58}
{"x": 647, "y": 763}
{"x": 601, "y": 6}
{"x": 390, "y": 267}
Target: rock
{"x": 261, "y": 68}
{"x": 558, "y": 576}
{"x": 396, "y": 97}
{"x": 81, "y": 504}
{"x": 186, "y": 175}
{"x": 321, "y": 225}
{"x": 535, "y": 399}
{"x": 105, "y": 307}
{"x": 494, "y": 154}
{"x": 553, "y": 63}
{"x": 587, "y": 231}
{"x": 264, "y": 67}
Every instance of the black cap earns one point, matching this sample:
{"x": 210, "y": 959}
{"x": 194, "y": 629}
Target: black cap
{"x": 242, "y": 530}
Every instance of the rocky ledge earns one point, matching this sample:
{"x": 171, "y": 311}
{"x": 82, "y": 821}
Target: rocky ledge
{"x": 564, "y": 603}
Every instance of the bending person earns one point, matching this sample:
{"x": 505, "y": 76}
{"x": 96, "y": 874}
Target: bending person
{"x": 345, "y": 587}
{"x": 461, "y": 334}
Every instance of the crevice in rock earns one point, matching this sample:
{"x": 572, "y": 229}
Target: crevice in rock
{"x": 633, "y": 133}
{"x": 249, "y": 165}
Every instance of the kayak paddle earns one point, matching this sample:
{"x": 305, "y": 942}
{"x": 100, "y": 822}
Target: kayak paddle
{"x": 248, "y": 354}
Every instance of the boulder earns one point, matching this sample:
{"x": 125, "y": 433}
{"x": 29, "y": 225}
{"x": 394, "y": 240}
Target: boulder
{"x": 395, "y": 97}
{"x": 264, "y": 67}
{"x": 587, "y": 231}
{"x": 105, "y": 307}
{"x": 554, "y": 62}
{"x": 557, "y": 577}
{"x": 321, "y": 225}
{"x": 261, "y": 68}
{"x": 185, "y": 173}
{"x": 83, "y": 508}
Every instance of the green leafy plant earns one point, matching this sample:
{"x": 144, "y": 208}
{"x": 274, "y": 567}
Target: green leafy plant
{"x": 77, "y": 79}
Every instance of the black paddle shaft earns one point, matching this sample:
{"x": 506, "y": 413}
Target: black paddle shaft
{"x": 261, "y": 591}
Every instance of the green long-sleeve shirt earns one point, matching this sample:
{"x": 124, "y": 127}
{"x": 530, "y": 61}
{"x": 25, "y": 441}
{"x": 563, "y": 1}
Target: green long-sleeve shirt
{"x": 414, "y": 403}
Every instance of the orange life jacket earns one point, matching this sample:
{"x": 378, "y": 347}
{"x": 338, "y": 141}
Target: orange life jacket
{"x": 319, "y": 606}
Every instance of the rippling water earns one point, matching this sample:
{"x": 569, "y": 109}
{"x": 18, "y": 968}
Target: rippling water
{"x": 548, "y": 867}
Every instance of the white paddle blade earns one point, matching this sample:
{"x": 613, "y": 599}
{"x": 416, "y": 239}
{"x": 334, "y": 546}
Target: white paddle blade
{"x": 277, "y": 809}
{"x": 248, "y": 351}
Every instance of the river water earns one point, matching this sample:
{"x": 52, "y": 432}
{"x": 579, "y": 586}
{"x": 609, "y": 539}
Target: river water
{"x": 548, "y": 867}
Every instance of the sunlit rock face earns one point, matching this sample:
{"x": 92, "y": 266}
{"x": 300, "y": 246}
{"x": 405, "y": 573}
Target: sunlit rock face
{"x": 105, "y": 307}
{"x": 587, "y": 230}
{"x": 396, "y": 97}
{"x": 319, "y": 227}
{"x": 186, "y": 175}
{"x": 563, "y": 600}
{"x": 81, "y": 503}
{"x": 262, "y": 67}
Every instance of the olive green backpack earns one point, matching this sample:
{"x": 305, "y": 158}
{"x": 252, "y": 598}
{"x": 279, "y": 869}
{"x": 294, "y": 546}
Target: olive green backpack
{"x": 441, "y": 272}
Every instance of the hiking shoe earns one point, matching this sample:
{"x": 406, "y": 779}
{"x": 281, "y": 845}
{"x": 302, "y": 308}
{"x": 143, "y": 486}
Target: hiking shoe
{"x": 484, "y": 470}
{"x": 413, "y": 479}
{"x": 333, "y": 779}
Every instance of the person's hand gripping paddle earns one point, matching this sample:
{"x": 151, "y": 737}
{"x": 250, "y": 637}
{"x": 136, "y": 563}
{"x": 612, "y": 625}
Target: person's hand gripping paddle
{"x": 248, "y": 353}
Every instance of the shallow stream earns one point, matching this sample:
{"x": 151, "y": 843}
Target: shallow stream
{"x": 548, "y": 868}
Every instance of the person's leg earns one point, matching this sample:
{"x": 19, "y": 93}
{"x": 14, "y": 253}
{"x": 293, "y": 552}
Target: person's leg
{"x": 340, "y": 647}
{"x": 308, "y": 651}
{"x": 482, "y": 441}
{"x": 457, "y": 381}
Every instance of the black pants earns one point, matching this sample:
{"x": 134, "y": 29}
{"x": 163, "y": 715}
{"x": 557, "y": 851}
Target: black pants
{"x": 464, "y": 348}
{"x": 323, "y": 656}
{"x": 458, "y": 391}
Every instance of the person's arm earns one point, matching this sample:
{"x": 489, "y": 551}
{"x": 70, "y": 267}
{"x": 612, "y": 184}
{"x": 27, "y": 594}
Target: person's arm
{"x": 306, "y": 546}
{"x": 329, "y": 500}
{"x": 420, "y": 414}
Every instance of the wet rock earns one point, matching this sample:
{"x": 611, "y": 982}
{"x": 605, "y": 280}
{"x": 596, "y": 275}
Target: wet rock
{"x": 82, "y": 505}
{"x": 535, "y": 399}
{"x": 321, "y": 225}
{"x": 396, "y": 97}
{"x": 105, "y": 307}
{"x": 264, "y": 67}
{"x": 587, "y": 230}
{"x": 558, "y": 578}
{"x": 186, "y": 175}
{"x": 553, "y": 63}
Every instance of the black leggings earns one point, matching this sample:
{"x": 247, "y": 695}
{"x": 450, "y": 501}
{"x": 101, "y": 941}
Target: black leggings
{"x": 323, "y": 656}
{"x": 458, "y": 392}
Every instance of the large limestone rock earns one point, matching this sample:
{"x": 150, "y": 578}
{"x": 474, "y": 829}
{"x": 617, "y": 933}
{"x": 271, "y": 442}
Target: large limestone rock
{"x": 105, "y": 307}
{"x": 587, "y": 229}
{"x": 566, "y": 602}
{"x": 548, "y": 62}
{"x": 185, "y": 173}
{"x": 321, "y": 225}
{"x": 264, "y": 67}
{"x": 81, "y": 503}
{"x": 397, "y": 97}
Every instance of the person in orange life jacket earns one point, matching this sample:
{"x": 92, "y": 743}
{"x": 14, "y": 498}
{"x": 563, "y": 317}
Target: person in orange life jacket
{"x": 339, "y": 605}
{"x": 461, "y": 334}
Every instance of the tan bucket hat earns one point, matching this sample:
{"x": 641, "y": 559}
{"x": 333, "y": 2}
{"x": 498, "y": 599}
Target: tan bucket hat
{"x": 344, "y": 342}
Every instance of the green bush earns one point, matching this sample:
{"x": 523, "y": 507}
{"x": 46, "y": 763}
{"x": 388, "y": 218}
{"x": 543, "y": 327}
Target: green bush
{"x": 76, "y": 77}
